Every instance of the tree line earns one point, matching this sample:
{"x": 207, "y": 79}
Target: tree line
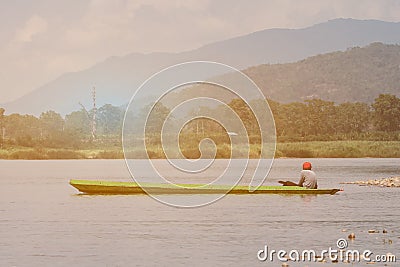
{"x": 321, "y": 120}
{"x": 50, "y": 129}
{"x": 311, "y": 120}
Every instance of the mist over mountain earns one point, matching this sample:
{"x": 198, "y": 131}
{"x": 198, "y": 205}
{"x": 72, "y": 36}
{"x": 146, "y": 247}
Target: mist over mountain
{"x": 117, "y": 78}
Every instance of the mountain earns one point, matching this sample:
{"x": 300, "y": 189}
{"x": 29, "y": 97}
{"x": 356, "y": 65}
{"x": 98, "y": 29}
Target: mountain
{"x": 117, "y": 78}
{"x": 357, "y": 74}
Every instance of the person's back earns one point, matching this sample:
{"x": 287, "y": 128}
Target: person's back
{"x": 308, "y": 178}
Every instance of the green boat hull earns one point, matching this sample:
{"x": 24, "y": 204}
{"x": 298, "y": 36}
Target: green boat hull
{"x": 131, "y": 188}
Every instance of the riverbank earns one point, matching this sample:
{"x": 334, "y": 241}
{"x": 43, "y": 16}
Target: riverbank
{"x": 23, "y": 153}
{"x": 340, "y": 149}
{"x": 315, "y": 149}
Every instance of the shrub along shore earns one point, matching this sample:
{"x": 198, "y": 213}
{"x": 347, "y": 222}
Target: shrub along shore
{"x": 313, "y": 149}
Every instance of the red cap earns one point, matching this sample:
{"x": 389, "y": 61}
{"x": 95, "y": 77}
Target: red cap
{"x": 306, "y": 166}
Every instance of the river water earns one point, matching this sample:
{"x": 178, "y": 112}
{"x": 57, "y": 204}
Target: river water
{"x": 45, "y": 222}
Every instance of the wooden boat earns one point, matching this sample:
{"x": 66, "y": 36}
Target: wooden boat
{"x": 120, "y": 188}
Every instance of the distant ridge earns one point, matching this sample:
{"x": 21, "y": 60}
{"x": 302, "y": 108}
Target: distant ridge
{"x": 117, "y": 77}
{"x": 355, "y": 75}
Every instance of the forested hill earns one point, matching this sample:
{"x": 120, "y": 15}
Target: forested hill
{"x": 356, "y": 75}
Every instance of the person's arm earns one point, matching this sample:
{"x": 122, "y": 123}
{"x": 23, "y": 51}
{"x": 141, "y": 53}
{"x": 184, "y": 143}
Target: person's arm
{"x": 302, "y": 178}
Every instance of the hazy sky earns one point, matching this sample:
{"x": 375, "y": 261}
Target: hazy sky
{"x": 42, "y": 39}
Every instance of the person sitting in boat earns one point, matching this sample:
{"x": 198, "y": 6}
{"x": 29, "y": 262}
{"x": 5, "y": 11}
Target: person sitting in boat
{"x": 308, "y": 178}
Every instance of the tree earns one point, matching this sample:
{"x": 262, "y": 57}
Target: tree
{"x": 321, "y": 116}
{"x": 110, "y": 119}
{"x": 22, "y": 127}
{"x": 78, "y": 123}
{"x": 292, "y": 119}
{"x": 387, "y": 113}
{"x": 246, "y": 116}
{"x": 52, "y": 124}
{"x": 156, "y": 118}
{"x": 352, "y": 117}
